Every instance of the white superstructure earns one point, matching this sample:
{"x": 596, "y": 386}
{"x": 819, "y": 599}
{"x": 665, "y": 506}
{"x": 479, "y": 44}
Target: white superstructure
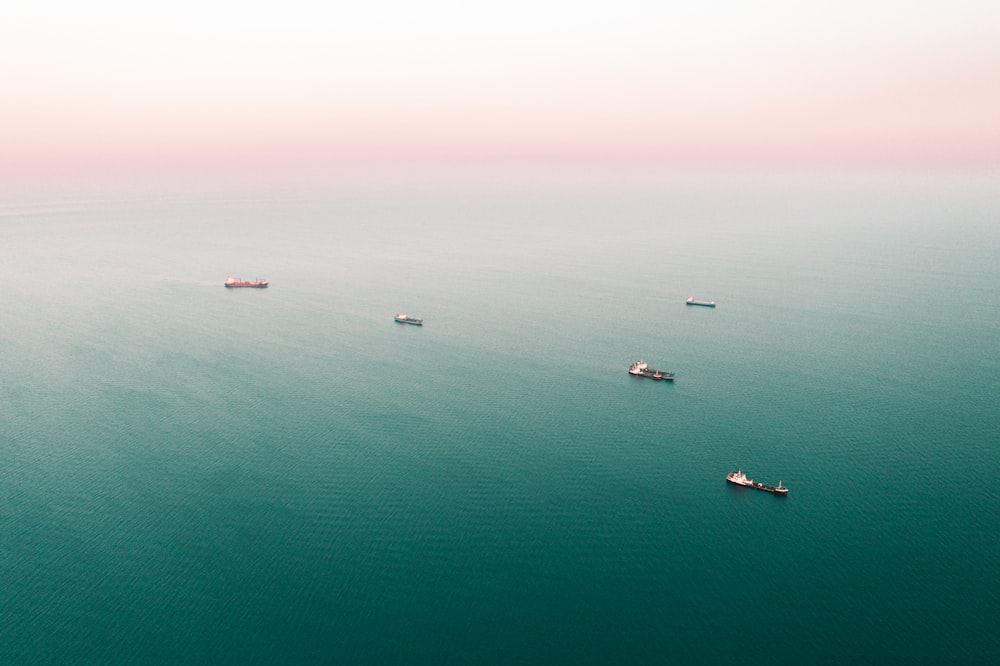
{"x": 637, "y": 367}
{"x": 739, "y": 478}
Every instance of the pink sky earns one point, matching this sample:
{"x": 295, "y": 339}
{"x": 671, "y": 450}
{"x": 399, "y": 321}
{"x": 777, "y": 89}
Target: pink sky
{"x": 114, "y": 93}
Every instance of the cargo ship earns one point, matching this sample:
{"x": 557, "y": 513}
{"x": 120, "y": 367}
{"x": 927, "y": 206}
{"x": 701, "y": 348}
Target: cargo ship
{"x": 707, "y": 304}
{"x": 233, "y": 283}
{"x": 740, "y": 479}
{"x": 642, "y": 369}
{"x": 403, "y": 318}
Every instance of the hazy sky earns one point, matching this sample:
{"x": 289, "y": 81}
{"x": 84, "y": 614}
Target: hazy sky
{"x": 126, "y": 87}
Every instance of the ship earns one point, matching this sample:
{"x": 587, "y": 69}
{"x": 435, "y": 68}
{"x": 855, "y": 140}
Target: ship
{"x": 707, "y": 304}
{"x": 403, "y": 318}
{"x": 642, "y": 369}
{"x": 234, "y": 282}
{"x": 740, "y": 478}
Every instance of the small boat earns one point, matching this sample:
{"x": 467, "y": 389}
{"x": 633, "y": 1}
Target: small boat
{"x": 236, "y": 283}
{"x": 642, "y": 369}
{"x": 707, "y": 304}
{"x": 403, "y": 318}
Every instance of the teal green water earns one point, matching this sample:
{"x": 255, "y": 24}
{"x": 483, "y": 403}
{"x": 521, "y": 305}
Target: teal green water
{"x": 190, "y": 474}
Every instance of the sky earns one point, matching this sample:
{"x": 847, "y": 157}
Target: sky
{"x": 200, "y": 88}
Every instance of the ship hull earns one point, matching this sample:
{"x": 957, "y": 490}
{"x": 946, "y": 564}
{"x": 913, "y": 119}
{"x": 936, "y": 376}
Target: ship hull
{"x": 649, "y": 375}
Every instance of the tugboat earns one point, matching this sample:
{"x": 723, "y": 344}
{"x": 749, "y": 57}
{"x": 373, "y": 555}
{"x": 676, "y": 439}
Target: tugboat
{"x": 707, "y": 304}
{"x": 642, "y": 369}
{"x": 740, "y": 479}
{"x": 402, "y": 318}
{"x": 234, "y": 283}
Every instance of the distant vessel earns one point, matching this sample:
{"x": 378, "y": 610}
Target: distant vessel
{"x": 402, "y": 318}
{"x": 707, "y": 304}
{"x": 740, "y": 479}
{"x": 233, "y": 283}
{"x": 642, "y": 369}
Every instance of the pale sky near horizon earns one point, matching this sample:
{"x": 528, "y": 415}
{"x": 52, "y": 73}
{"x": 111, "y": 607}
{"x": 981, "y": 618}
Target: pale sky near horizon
{"x": 123, "y": 87}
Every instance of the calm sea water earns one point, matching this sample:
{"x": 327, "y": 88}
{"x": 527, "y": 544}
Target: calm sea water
{"x": 192, "y": 474}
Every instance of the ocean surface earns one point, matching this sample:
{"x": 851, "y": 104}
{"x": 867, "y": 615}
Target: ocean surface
{"x": 192, "y": 474}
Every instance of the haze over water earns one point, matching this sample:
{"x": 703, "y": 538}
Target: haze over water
{"x": 199, "y": 475}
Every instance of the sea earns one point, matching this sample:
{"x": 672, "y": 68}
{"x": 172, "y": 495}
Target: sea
{"x": 194, "y": 474}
